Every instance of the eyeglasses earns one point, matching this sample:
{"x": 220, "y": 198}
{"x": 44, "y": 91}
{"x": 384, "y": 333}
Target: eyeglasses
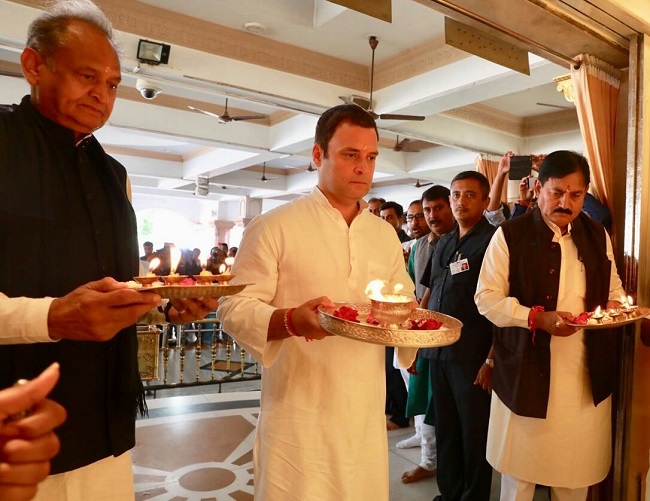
{"x": 411, "y": 217}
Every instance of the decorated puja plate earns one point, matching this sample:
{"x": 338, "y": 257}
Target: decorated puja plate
{"x": 422, "y": 329}
{"x": 589, "y": 320}
{"x": 194, "y": 291}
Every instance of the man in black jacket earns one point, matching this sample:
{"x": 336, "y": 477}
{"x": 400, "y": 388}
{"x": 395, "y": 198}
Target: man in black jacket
{"x": 63, "y": 197}
{"x": 460, "y": 373}
{"x": 551, "y": 407}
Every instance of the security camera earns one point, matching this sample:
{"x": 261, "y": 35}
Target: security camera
{"x": 149, "y": 90}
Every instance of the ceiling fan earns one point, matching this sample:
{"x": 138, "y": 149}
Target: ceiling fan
{"x": 374, "y": 41}
{"x": 225, "y": 118}
{"x": 310, "y": 168}
{"x": 264, "y": 179}
{"x": 404, "y": 145}
{"x": 418, "y": 184}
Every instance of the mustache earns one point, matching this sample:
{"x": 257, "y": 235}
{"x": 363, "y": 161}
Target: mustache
{"x": 560, "y": 210}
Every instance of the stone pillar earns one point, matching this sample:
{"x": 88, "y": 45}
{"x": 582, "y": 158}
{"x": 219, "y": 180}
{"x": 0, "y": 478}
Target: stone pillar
{"x": 222, "y": 231}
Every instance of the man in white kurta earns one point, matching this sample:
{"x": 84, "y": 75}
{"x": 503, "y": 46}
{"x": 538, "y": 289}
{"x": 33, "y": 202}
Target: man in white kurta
{"x": 321, "y": 431}
{"x": 569, "y": 449}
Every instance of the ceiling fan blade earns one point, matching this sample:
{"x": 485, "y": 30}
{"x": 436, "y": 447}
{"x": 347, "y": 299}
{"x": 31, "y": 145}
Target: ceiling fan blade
{"x": 392, "y": 116}
{"x": 205, "y": 112}
{"x": 9, "y": 73}
{"x": 418, "y": 184}
{"x": 248, "y": 117}
{"x": 347, "y": 100}
{"x": 554, "y": 106}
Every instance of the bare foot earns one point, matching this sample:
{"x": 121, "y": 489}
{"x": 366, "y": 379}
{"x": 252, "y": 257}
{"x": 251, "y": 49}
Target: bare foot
{"x": 418, "y": 474}
{"x": 391, "y": 425}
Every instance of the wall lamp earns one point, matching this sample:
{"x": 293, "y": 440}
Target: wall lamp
{"x": 153, "y": 52}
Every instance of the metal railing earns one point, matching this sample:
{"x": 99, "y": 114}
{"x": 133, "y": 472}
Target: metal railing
{"x": 195, "y": 354}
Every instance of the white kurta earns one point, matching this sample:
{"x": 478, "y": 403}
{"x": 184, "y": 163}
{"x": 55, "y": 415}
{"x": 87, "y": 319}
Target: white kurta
{"x": 321, "y": 431}
{"x": 572, "y": 446}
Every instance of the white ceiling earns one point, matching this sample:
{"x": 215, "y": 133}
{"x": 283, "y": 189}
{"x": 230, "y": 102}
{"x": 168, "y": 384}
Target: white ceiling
{"x": 311, "y": 52}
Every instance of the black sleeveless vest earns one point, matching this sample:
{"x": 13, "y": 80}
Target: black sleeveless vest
{"x": 521, "y": 375}
{"x": 65, "y": 220}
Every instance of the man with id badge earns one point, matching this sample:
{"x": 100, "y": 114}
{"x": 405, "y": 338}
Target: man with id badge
{"x": 461, "y": 373}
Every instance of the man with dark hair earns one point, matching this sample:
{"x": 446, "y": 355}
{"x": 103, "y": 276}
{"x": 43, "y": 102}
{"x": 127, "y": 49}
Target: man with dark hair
{"x": 148, "y": 251}
{"x": 460, "y": 373}
{"x": 416, "y": 223}
{"x": 393, "y": 214}
{"x": 321, "y": 431}
{"x": 440, "y": 220}
{"x": 551, "y": 407}
{"x": 60, "y": 190}
{"x": 374, "y": 204}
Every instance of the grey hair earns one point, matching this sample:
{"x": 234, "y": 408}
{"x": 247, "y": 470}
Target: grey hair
{"x": 46, "y": 34}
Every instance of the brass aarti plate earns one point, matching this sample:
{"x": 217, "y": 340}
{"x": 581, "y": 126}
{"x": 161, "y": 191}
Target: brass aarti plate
{"x": 195, "y": 291}
{"x": 401, "y": 337}
{"x": 608, "y": 322}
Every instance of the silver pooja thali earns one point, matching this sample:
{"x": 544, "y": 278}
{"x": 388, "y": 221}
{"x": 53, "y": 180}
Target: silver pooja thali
{"x": 393, "y": 335}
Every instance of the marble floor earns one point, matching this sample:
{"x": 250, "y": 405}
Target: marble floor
{"x": 196, "y": 445}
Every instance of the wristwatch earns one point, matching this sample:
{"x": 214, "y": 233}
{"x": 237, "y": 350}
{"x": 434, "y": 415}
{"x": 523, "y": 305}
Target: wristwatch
{"x": 490, "y": 362}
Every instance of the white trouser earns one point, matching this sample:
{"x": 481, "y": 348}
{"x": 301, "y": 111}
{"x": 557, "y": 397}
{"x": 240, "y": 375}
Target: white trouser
{"x": 513, "y": 489}
{"x": 428, "y": 457}
{"x": 110, "y": 479}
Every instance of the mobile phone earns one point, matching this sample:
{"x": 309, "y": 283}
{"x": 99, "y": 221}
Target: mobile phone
{"x": 531, "y": 182}
{"x": 520, "y": 166}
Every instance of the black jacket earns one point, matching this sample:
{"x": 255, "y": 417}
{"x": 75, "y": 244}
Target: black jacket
{"x": 453, "y": 294}
{"x": 521, "y": 374}
{"x": 65, "y": 220}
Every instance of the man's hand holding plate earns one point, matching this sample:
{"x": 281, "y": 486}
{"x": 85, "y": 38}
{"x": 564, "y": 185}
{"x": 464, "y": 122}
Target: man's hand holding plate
{"x": 98, "y": 310}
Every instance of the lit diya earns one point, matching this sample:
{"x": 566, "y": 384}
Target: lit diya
{"x": 150, "y": 277}
{"x": 390, "y": 309}
{"x": 174, "y": 278}
{"x": 225, "y": 274}
{"x": 206, "y": 277}
{"x": 627, "y": 304}
{"x": 598, "y": 315}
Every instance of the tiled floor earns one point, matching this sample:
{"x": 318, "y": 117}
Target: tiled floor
{"x": 199, "y": 447}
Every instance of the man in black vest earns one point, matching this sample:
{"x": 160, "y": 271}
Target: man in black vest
{"x": 550, "y": 414}
{"x": 460, "y": 376}
{"x": 63, "y": 197}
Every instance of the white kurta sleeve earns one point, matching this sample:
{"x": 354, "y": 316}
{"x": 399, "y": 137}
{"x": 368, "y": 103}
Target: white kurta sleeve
{"x": 615, "y": 286}
{"x": 24, "y": 320}
{"x": 246, "y": 316}
{"x": 493, "y": 287}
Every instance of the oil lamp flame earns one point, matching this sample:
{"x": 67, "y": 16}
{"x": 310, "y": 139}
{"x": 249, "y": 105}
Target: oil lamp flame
{"x": 374, "y": 288}
{"x": 175, "y": 256}
{"x": 155, "y": 262}
{"x": 598, "y": 314}
{"x": 222, "y": 268}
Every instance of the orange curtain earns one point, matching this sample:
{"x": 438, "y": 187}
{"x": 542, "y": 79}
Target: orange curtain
{"x": 488, "y": 165}
{"x": 595, "y": 87}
